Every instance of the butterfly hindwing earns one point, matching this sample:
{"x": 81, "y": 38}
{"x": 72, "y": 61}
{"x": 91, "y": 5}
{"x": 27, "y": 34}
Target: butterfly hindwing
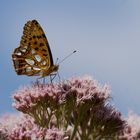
{"x": 34, "y": 52}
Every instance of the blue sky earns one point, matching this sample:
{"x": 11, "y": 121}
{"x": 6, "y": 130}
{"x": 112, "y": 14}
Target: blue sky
{"x": 104, "y": 33}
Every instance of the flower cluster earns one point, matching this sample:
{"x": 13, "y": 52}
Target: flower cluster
{"x": 77, "y": 108}
{"x": 22, "y": 127}
{"x": 132, "y": 130}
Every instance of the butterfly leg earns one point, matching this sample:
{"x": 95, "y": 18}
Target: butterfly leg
{"x": 59, "y": 80}
{"x": 40, "y": 80}
{"x": 51, "y": 78}
{"x": 58, "y": 76}
{"x": 37, "y": 80}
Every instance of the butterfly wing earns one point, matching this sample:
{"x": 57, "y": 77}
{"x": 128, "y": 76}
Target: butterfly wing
{"x": 34, "y": 54}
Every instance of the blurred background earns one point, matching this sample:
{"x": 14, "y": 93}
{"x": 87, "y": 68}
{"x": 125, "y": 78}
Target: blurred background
{"x": 104, "y": 33}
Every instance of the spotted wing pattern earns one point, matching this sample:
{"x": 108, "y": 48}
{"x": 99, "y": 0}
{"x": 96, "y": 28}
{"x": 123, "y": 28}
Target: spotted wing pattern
{"x": 33, "y": 54}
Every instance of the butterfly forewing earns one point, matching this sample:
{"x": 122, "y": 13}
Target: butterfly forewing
{"x": 34, "y": 53}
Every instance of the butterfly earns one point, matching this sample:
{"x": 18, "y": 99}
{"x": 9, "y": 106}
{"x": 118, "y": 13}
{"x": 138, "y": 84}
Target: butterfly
{"x": 33, "y": 57}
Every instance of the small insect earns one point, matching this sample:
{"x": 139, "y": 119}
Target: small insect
{"x": 33, "y": 57}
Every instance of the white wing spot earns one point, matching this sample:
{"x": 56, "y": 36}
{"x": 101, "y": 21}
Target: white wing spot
{"x": 28, "y": 69}
{"x": 33, "y": 51}
{"x": 36, "y": 68}
{"x": 30, "y": 61}
{"x": 23, "y": 49}
{"x": 43, "y": 62}
{"x": 18, "y": 53}
{"x": 38, "y": 58}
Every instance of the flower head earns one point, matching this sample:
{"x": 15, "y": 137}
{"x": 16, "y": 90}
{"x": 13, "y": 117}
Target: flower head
{"x": 80, "y": 102}
{"x": 132, "y": 130}
{"x": 84, "y": 88}
{"x": 22, "y": 127}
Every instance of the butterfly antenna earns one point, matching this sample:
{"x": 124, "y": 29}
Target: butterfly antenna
{"x": 67, "y": 57}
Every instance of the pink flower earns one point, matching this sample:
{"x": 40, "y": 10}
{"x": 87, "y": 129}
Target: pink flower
{"x": 84, "y": 88}
{"x": 132, "y": 130}
{"x": 80, "y": 102}
{"x": 77, "y": 108}
{"x": 22, "y": 127}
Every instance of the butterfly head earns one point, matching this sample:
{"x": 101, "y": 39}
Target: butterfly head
{"x": 47, "y": 72}
{"x": 54, "y": 68}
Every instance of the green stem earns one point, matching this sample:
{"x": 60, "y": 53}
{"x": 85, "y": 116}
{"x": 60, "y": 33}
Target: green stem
{"x": 74, "y": 131}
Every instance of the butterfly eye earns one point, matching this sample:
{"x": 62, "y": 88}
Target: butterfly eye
{"x": 37, "y": 57}
{"x": 30, "y": 61}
